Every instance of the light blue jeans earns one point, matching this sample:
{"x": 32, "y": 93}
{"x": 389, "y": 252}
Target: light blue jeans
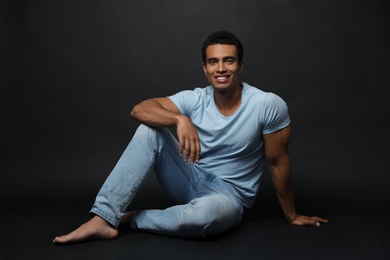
{"x": 208, "y": 205}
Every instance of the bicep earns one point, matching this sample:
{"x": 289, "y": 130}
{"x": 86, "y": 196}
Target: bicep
{"x": 166, "y": 103}
{"x": 276, "y": 146}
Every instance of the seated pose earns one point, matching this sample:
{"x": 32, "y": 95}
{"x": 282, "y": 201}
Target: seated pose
{"x": 226, "y": 132}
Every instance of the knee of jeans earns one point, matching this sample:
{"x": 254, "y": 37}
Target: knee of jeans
{"x": 148, "y": 132}
{"x": 145, "y": 135}
{"x": 145, "y": 130}
{"x": 210, "y": 215}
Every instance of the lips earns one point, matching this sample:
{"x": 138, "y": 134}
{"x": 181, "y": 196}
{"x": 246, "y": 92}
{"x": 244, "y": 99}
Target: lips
{"x": 222, "y": 79}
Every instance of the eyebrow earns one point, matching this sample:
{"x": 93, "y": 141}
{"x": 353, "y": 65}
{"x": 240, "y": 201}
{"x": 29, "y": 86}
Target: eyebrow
{"x": 223, "y": 58}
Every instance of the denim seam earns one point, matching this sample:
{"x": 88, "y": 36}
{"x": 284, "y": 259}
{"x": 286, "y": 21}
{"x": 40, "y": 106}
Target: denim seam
{"x": 179, "y": 165}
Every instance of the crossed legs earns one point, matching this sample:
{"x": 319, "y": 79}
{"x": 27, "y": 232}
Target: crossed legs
{"x": 206, "y": 206}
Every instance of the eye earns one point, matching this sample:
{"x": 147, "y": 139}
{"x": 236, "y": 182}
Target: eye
{"x": 229, "y": 60}
{"x": 212, "y": 62}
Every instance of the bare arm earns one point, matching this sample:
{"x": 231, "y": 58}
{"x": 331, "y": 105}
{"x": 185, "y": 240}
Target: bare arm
{"x": 157, "y": 112}
{"x": 162, "y": 112}
{"x": 276, "y": 151}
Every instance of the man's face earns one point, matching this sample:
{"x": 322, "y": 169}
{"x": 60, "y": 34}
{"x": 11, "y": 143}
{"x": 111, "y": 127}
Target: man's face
{"x": 222, "y": 68}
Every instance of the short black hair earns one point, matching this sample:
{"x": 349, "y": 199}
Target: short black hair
{"x": 223, "y": 37}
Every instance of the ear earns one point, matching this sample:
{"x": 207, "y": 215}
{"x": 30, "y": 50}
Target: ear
{"x": 204, "y": 68}
{"x": 241, "y": 66}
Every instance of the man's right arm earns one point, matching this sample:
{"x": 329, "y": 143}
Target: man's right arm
{"x": 157, "y": 112}
{"x": 162, "y": 112}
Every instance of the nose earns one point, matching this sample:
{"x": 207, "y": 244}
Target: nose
{"x": 221, "y": 67}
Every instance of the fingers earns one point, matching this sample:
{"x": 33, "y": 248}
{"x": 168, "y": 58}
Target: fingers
{"x": 310, "y": 221}
{"x": 189, "y": 145}
{"x": 197, "y": 153}
{"x": 189, "y": 148}
{"x": 321, "y": 220}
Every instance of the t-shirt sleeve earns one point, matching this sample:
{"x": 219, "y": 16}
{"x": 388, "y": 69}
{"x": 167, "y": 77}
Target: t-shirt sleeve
{"x": 276, "y": 114}
{"x": 185, "y": 101}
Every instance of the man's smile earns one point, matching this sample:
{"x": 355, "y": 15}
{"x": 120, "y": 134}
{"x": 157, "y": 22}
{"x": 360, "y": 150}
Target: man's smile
{"x": 222, "y": 79}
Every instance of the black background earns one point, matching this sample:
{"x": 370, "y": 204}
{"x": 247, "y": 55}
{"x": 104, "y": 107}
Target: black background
{"x": 72, "y": 70}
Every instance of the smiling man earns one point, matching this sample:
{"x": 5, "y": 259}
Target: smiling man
{"x": 226, "y": 133}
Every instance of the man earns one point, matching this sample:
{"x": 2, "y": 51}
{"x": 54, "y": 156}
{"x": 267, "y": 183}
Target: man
{"x": 225, "y": 132}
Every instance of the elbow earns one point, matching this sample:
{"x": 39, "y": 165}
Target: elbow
{"x": 278, "y": 163}
{"x": 134, "y": 113}
{"x": 272, "y": 161}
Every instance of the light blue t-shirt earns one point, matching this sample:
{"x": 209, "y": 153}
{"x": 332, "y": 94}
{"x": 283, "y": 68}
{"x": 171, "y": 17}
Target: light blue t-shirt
{"x": 232, "y": 147}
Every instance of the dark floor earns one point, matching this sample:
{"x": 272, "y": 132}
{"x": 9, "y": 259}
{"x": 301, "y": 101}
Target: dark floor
{"x": 350, "y": 234}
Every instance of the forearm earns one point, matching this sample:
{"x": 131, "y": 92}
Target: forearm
{"x": 161, "y": 112}
{"x": 282, "y": 181}
{"x": 151, "y": 113}
{"x": 279, "y": 164}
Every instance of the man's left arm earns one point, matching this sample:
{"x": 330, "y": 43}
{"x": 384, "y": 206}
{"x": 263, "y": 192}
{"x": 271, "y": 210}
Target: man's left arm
{"x": 276, "y": 152}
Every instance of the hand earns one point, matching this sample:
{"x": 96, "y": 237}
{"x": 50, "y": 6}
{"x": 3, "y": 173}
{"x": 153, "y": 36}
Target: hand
{"x": 189, "y": 144}
{"x": 301, "y": 220}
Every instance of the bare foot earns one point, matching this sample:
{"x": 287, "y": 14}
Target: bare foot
{"x": 94, "y": 229}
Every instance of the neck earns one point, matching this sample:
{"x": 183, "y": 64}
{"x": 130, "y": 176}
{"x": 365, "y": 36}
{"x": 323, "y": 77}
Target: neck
{"x": 228, "y": 102}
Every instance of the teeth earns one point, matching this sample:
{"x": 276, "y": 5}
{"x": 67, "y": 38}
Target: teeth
{"x": 221, "y": 78}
